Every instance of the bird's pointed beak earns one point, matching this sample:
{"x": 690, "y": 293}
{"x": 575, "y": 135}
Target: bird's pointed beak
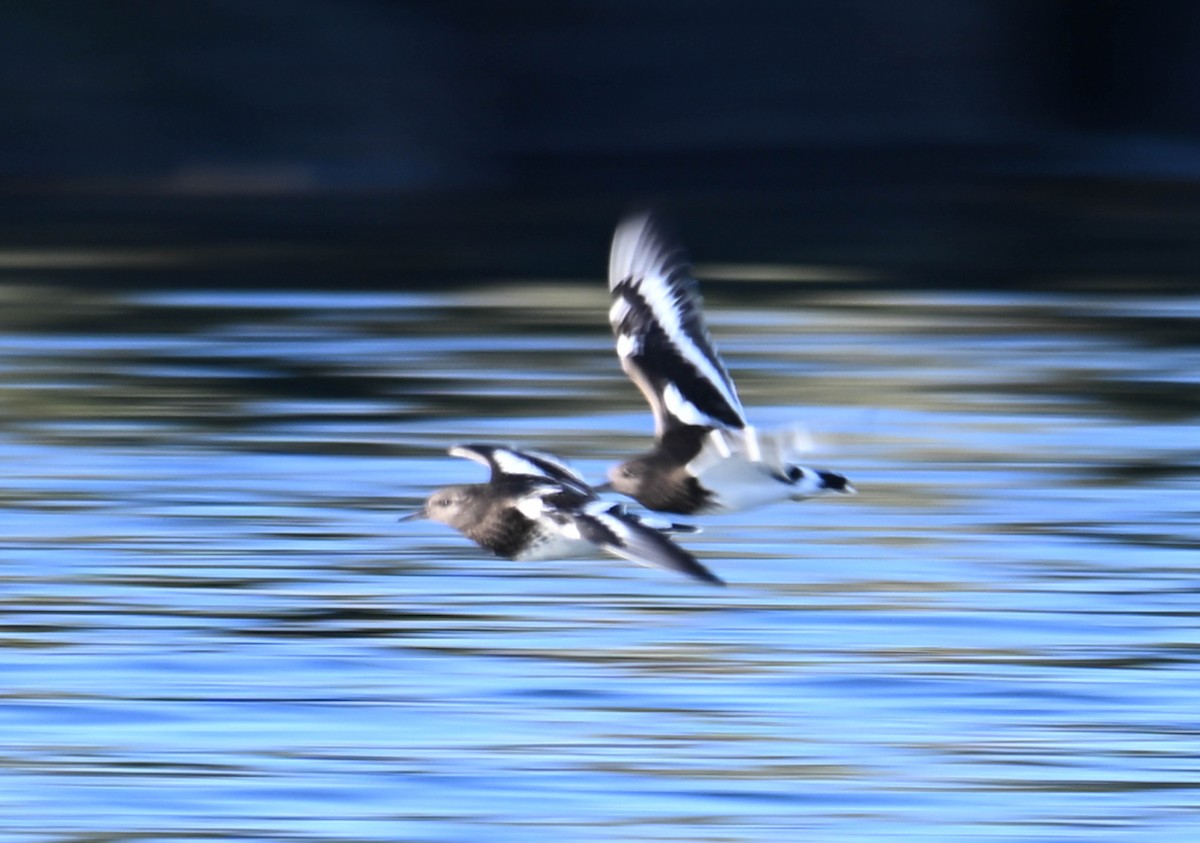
{"x": 607, "y": 486}
{"x": 415, "y": 515}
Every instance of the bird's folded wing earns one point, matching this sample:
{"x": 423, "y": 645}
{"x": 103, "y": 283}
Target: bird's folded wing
{"x": 623, "y": 535}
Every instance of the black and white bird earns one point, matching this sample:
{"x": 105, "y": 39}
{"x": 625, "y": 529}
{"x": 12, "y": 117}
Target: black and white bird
{"x": 534, "y": 508}
{"x": 706, "y": 458}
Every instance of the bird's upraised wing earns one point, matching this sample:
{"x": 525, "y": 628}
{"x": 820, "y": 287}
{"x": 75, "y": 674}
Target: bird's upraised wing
{"x": 662, "y": 339}
{"x": 509, "y": 462}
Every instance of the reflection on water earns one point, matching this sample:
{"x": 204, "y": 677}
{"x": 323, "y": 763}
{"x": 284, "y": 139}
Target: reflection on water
{"x": 212, "y": 626}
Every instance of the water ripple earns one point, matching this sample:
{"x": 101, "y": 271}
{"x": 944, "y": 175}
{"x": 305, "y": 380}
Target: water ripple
{"x": 212, "y": 626}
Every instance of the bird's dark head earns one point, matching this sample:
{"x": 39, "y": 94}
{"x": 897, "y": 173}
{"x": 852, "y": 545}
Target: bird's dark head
{"x": 628, "y": 477}
{"x": 446, "y": 506}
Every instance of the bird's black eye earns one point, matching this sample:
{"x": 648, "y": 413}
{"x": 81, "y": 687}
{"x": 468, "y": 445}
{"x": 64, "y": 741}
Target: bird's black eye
{"x": 444, "y": 500}
{"x": 628, "y": 472}
{"x": 794, "y": 473}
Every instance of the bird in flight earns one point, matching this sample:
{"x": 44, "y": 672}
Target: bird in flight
{"x": 706, "y": 458}
{"x": 534, "y": 507}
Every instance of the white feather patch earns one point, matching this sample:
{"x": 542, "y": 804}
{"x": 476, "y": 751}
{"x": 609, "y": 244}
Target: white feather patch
{"x": 510, "y": 462}
{"x": 684, "y": 410}
{"x": 720, "y": 441}
{"x": 570, "y": 530}
{"x": 618, "y": 311}
{"x": 753, "y": 452}
{"x": 628, "y": 345}
{"x": 532, "y": 506}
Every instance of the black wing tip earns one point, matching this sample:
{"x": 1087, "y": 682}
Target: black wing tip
{"x": 644, "y": 544}
{"x": 836, "y": 483}
{"x": 706, "y": 576}
{"x": 685, "y": 563}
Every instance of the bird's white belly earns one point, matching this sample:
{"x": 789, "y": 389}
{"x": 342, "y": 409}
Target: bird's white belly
{"x": 556, "y": 546}
{"x": 746, "y": 468}
{"x": 742, "y": 484}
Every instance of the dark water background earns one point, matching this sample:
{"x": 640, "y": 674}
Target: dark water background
{"x": 212, "y": 626}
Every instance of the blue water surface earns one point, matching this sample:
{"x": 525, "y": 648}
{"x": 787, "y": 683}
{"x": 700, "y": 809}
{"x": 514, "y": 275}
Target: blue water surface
{"x": 213, "y": 627}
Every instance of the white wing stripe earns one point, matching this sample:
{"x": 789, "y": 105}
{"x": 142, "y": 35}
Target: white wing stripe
{"x": 685, "y": 410}
{"x": 658, "y": 294}
{"x": 510, "y": 462}
{"x": 617, "y": 527}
